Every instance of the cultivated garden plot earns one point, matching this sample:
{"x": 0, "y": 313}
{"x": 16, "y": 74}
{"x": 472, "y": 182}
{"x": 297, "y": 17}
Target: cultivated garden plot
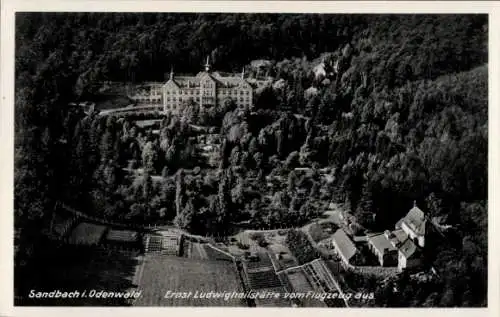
{"x": 261, "y": 262}
{"x": 300, "y": 285}
{"x": 281, "y": 301}
{"x": 263, "y": 279}
{"x": 299, "y": 281}
{"x": 260, "y": 272}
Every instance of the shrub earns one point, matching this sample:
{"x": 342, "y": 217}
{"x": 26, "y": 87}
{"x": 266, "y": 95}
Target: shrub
{"x": 300, "y": 246}
{"x": 260, "y": 239}
{"x": 257, "y": 236}
{"x": 243, "y": 246}
{"x": 263, "y": 243}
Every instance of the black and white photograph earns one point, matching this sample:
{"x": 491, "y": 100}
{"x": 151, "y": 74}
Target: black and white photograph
{"x": 250, "y": 159}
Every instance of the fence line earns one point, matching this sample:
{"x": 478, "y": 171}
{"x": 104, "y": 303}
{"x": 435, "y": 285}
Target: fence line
{"x": 223, "y": 252}
{"x": 296, "y": 267}
{"x": 108, "y": 222}
{"x": 313, "y": 273}
{"x": 381, "y": 271}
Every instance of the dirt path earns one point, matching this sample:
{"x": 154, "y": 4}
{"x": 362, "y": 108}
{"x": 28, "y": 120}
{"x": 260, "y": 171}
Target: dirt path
{"x": 201, "y": 251}
{"x": 139, "y": 270}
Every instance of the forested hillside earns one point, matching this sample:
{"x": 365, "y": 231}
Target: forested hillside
{"x": 400, "y": 114}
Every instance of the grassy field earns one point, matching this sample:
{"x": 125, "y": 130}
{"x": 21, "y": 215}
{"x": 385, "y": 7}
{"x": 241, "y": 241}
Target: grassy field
{"x": 273, "y": 302}
{"x": 300, "y": 284}
{"x": 160, "y": 274}
{"x": 194, "y": 250}
{"x": 299, "y": 281}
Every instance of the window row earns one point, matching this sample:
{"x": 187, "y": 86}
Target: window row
{"x": 234, "y": 92}
{"x": 205, "y": 101}
{"x": 241, "y": 99}
{"x": 171, "y": 107}
{"x": 183, "y": 92}
{"x": 206, "y": 97}
{"x": 210, "y": 92}
{"x": 154, "y": 97}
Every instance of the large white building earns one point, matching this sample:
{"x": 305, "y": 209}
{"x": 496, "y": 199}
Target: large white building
{"x": 207, "y": 89}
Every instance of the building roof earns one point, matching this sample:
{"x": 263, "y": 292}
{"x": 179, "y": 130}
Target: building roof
{"x": 415, "y": 220}
{"x": 230, "y": 81}
{"x": 398, "y": 224}
{"x": 381, "y": 243}
{"x": 408, "y": 248}
{"x": 398, "y": 237}
{"x": 147, "y": 123}
{"x": 168, "y": 233}
{"x": 344, "y": 244}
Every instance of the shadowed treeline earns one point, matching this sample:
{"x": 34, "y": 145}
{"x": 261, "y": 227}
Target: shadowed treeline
{"x": 75, "y": 268}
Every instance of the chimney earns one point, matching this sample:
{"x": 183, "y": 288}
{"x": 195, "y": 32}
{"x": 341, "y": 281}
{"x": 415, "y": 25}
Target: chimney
{"x": 387, "y": 234}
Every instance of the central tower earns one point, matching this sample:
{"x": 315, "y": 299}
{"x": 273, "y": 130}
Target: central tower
{"x": 207, "y": 64}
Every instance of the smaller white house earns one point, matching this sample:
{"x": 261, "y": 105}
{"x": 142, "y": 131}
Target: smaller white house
{"x": 410, "y": 250}
{"x": 413, "y": 224}
{"x": 345, "y": 248}
{"x": 382, "y": 246}
{"x": 409, "y": 256}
